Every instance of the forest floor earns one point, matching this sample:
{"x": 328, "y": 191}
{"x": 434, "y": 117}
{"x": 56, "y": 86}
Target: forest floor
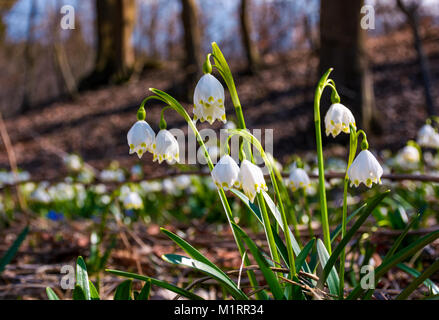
{"x": 95, "y": 124}
{"x": 139, "y": 248}
{"x": 280, "y": 97}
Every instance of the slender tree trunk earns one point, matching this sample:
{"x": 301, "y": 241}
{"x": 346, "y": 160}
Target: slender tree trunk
{"x": 115, "y": 53}
{"x": 412, "y": 16}
{"x": 192, "y": 40}
{"x": 251, "y": 51}
{"x": 342, "y": 46}
{"x": 28, "y": 60}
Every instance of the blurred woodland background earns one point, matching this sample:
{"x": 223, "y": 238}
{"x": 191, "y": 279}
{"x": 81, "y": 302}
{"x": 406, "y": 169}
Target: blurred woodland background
{"x": 64, "y": 91}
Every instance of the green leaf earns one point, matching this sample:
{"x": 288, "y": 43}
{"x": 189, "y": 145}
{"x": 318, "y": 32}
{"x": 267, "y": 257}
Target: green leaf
{"x": 78, "y": 293}
{"x": 82, "y": 277}
{"x": 190, "y": 250}
{"x": 123, "y": 290}
{"x": 401, "y": 237}
{"x": 415, "y": 273}
{"x": 398, "y": 257}
{"x": 278, "y": 218}
{"x": 269, "y": 275}
{"x": 198, "y": 256}
{"x": 9, "y": 255}
{"x": 159, "y": 283}
{"x": 332, "y": 278}
{"x": 207, "y": 269}
{"x": 366, "y": 211}
{"x": 337, "y": 231}
{"x": 301, "y": 258}
{"x": 51, "y": 294}
{"x": 144, "y": 293}
{"x": 94, "y": 295}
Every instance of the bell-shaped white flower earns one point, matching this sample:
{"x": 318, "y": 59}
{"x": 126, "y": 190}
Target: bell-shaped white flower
{"x": 166, "y": 147}
{"x": 73, "y": 162}
{"x": 209, "y": 100}
{"x": 428, "y": 137}
{"x": 298, "y": 179}
{"x": 251, "y": 179}
{"x": 410, "y": 154}
{"x": 408, "y": 157}
{"x": 132, "y": 201}
{"x": 365, "y": 169}
{"x": 337, "y": 119}
{"x": 141, "y": 138}
{"x": 225, "y": 173}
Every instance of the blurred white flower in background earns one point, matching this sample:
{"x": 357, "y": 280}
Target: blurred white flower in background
{"x": 116, "y": 175}
{"x": 151, "y": 186}
{"x": 40, "y": 195}
{"x": 183, "y": 181}
{"x": 428, "y": 137}
{"x": 73, "y": 162}
{"x": 408, "y": 157}
{"x": 298, "y": 179}
{"x": 132, "y": 201}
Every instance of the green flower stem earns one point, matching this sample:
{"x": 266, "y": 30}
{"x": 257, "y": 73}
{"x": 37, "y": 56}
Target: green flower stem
{"x": 353, "y": 141}
{"x": 322, "y": 190}
{"x": 308, "y": 213}
{"x": 286, "y": 198}
{"x": 224, "y": 70}
{"x": 172, "y": 103}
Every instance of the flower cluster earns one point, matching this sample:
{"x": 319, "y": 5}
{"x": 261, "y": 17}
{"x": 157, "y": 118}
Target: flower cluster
{"x": 365, "y": 168}
{"x": 227, "y": 174}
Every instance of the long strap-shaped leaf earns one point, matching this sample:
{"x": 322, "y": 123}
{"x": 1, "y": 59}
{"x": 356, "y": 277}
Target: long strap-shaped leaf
{"x": 7, "y": 257}
{"x": 200, "y": 266}
{"x": 82, "y": 278}
{"x": 253, "y": 209}
{"x": 338, "y": 250}
{"x": 395, "y": 259}
{"x": 51, "y": 294}
{"x": 159, "y": 283}
{"x": 263, "y": 265}
{"x": 332, "y": 277}
{"x": 415, "y": 273}
{"x": 401, "y": 237}
{"x": 191, "y": 251}
{"x": 415, "y": 283}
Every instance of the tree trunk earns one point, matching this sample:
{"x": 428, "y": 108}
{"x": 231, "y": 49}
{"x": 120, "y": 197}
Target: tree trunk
{"x": 342, "y": 46}
{"x": 192, "y": 41}
{"x": 115, "y": 53}
{"x": 412, "y": 16}
{"x": 29, "y": 60}
{"x": 251, "y": 51}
